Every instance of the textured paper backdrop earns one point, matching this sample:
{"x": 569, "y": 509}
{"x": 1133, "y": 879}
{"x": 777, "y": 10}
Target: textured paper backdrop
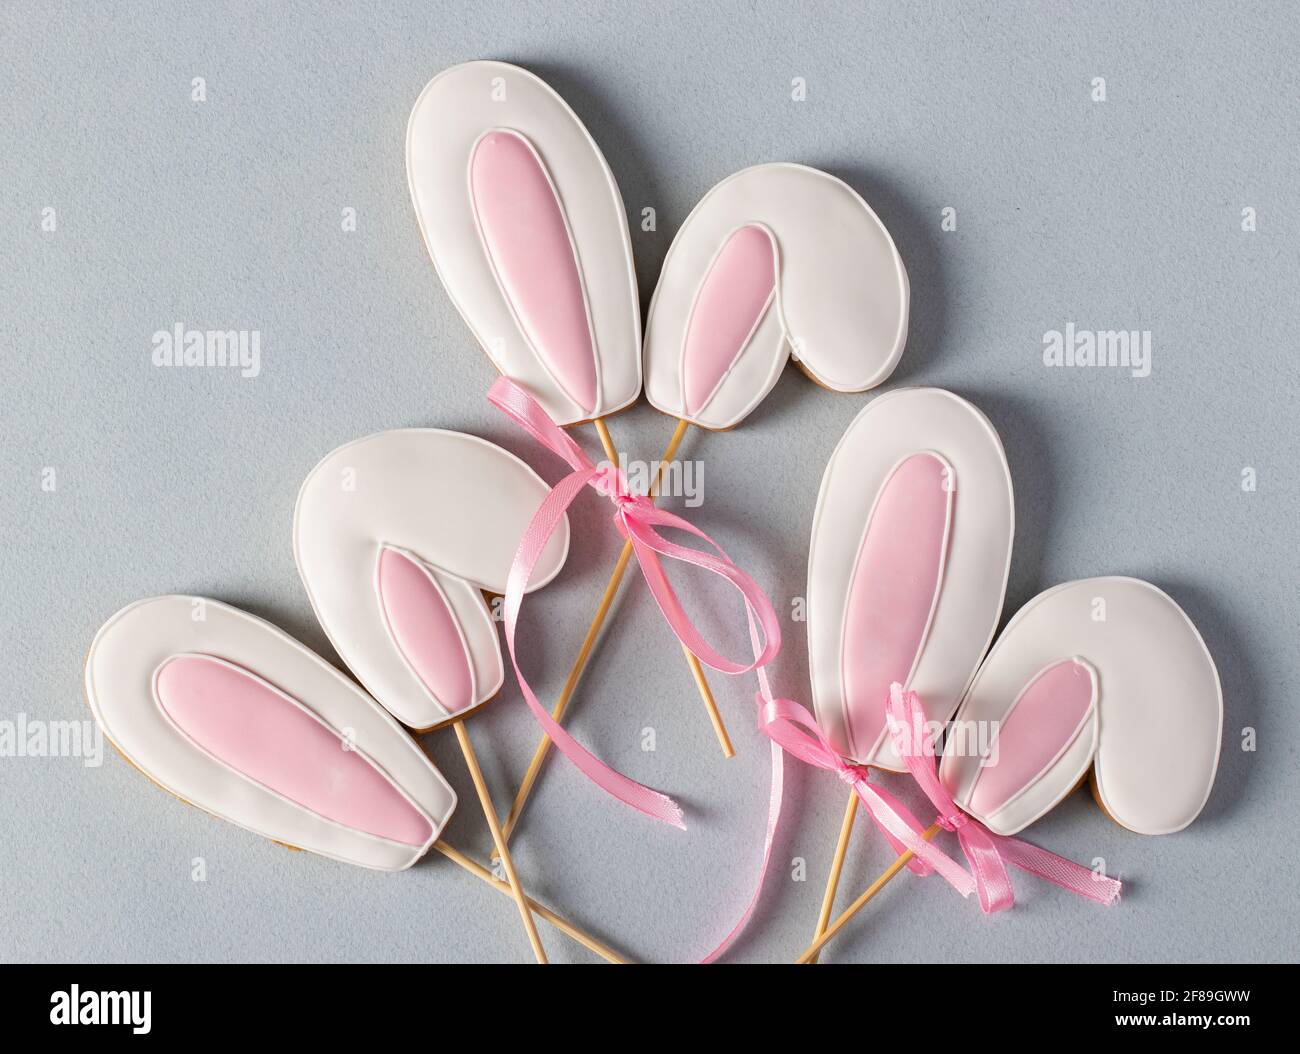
{"x": 227, "y": 213}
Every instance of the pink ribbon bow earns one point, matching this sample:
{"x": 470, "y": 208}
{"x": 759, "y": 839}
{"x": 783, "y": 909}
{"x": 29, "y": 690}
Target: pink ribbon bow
{"x": 987, "y": 853}
{"x": 636, "y": 518}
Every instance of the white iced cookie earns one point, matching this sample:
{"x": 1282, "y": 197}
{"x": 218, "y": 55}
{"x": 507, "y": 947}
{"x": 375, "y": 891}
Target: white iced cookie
{"x": 908, "y": 564}
{"x": 396, "y": 537}
{"x": 527, "y": 231}
{"x": 236, "y": 717}
{"x": 777, "y": 261}
{"x": 1103, "y": 672}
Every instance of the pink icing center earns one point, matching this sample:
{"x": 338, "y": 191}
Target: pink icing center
{"x": 731, "y": 302}
{"x": 424, "y": 629}
{"x": 895, "y": 587}
{"x": 1042, "y": 722}
{"x": 259, "y": 731}
{"x": 527, "y": 238}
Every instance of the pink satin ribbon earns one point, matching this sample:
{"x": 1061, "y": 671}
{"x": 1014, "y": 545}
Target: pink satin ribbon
{"x": 776, "y": 794}
{"x": 794, "y": 729}
{"x": 987, "y": 853}
{"x": 636, "y": 518}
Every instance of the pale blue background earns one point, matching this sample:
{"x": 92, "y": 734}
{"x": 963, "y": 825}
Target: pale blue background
{"x": 1125, "y": 214}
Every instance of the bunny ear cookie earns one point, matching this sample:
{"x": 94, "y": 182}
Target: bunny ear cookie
{"x": 396, "y": 537}
{"x": 776, "y": 261}
{"x": 908, "y": 564}
{"x": 231, "y": 715}
{"x": 527, "y": 231}
{"x": 1103, "y": 672}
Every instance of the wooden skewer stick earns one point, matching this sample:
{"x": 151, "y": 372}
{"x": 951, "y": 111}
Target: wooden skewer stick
{"x": 559, "y": 922}
{"x": 697, "y": 671}
{"x": 490, "y": 813}
{"x": 710, "y": 704}
{"x": 589, "y": 642}
{"x": 837, "y": 866}
{"x": 810, "y": 953}
{"x": 606, "y": 440}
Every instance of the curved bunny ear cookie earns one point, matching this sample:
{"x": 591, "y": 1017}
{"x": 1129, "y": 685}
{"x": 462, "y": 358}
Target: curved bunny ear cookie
{"x": 231, "y": 715}
{"x": 1107, "y": 672}
{"x": 908, "y": 564}
{"x": 776, "y": 261}
{"x": 396, "y": 537}
{"x": 527, "y": 231}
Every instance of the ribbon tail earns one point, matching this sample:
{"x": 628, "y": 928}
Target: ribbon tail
{"x": 1057, "y": 870}
{"x": 992, "y": 882}
{"x": 775, "y": 794}
{"x": 650, "y": 802}
{"x": 531, "y": 546}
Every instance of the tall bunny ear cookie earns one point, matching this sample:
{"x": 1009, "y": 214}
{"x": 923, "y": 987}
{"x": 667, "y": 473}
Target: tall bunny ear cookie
{"x": 1104, "y": 672}
{"x": 230, "y": 714}
{"x": 396, "y": 537}
{"x": 908, "y": 564}
{"x": 776, "y": 261}
{"x": 526, "y": 228}
{"x": 907, "y": 571}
